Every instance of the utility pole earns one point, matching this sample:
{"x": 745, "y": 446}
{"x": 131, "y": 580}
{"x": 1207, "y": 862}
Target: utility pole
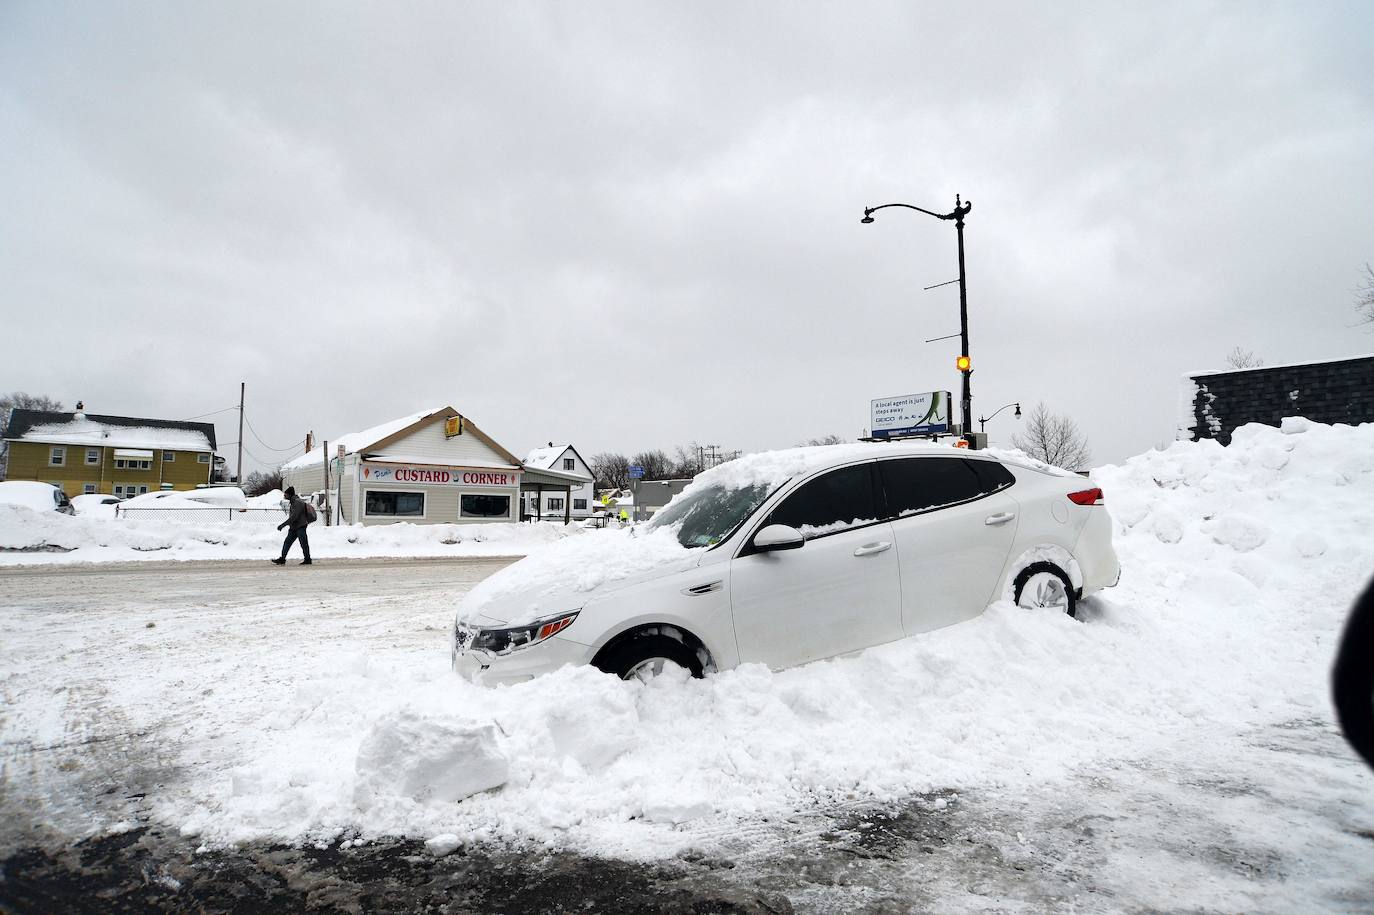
{"x": 240, "y": 470}
{"x": 325, "y": 461}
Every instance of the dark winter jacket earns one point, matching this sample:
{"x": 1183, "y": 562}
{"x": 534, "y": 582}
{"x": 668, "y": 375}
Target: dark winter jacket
{"x": 297, "y": 516}
{"x": 1352, "y": 680}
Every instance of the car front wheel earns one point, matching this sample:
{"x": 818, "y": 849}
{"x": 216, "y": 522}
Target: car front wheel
{"x": 1043, "y": 585}
{"x": 645, "y": 657}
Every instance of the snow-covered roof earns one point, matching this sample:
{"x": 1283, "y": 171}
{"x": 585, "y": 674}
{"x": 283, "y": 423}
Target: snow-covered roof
{"x": 545, "y": 457}
{"x": 86, "y": 429}
{"x": 391, "y": 457}
{"x": 1283, "y": 365}
{"x": 359, "y": 441}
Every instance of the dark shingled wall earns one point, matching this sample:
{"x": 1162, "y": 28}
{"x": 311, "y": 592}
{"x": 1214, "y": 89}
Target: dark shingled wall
{"x": 1341, "y": 391}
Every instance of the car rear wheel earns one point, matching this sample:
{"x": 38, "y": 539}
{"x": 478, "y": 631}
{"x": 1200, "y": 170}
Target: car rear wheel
{"x": 645, "y": 657}
{"x": 1044, "y": 586}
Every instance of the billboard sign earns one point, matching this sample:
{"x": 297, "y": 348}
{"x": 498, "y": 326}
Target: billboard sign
{"x": 912, "y": 414}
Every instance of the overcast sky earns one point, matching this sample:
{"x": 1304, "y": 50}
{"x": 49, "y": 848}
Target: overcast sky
{"x": 632, "y": 225}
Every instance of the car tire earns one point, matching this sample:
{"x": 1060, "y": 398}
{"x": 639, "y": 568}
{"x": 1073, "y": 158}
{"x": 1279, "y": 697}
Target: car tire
{"x": 1044, "y": 585}
{"x": 642, "y": 657}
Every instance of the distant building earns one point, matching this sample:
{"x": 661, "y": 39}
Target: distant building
{"x": 119, "y": 455}
{"x": 646, "y": 497}
{"x": 1215, "y": 404}
{"x": 560, "y": 461}
{"x": 432, "y": 467}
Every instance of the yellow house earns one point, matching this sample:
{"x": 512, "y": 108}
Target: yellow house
{"x": 118, "y": 455}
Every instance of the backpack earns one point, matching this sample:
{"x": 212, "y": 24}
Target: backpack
{"x": 311, "y": 516}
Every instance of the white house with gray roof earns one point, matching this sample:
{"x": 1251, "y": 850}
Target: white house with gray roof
{"x": 576, "y": 500}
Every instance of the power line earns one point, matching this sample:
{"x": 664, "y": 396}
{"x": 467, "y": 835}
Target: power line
{"x": 211, "y": 413}
{"x": 264, "y": 444}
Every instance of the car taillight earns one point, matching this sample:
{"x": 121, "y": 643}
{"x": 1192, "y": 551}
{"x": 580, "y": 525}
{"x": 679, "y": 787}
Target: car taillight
{"x": 1087, "y": 497}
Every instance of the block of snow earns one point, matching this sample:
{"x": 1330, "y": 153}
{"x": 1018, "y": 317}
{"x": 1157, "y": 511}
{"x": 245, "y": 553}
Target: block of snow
{"x": 441, "y": 845}
{"x": 675, "y": 811}
{"x": 1292, "y": 425}
{"x": 428, "y": 758}
{"x": 1240, "y": 533}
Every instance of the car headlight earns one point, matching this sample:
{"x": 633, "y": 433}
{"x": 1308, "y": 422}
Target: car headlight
{"x": 513, "y": 638}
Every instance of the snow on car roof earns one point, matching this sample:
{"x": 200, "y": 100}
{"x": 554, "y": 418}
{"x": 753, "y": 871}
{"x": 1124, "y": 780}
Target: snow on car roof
{"x": 773, "y": 468}
{"x": 37, "y": 496}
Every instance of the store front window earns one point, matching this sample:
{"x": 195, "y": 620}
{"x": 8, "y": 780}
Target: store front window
{"x": 383, "y": 504}
{"x": 480, "y": 505}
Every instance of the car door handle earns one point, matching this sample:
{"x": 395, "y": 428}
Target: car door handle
{"x": 999, "y": 518}
{"x": 868, "y": 549}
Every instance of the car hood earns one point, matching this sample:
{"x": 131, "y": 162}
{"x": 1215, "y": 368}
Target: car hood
{"x": 567, "y": 574}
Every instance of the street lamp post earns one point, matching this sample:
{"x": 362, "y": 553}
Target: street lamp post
{"x": 983, "y": 421}
{"x": 960, "y": 210}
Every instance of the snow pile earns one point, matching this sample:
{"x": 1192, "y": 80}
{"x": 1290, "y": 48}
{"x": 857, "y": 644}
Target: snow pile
{"x": 520, "y": 593}
{"x": 410, "y": 758}
{"x": 28, "y": 537}
{"x": 1239, "y": 564}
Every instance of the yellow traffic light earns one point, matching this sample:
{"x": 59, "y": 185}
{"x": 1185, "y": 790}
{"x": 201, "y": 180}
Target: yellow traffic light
{"x": 963, "y": 364}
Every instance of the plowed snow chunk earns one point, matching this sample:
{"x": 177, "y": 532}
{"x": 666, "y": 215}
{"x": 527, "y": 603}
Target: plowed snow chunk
{"x": 1240, "y": 533}
{"x": 427, "y": 758}
{"x": 1292, "y": 425}
{"x": 442, "y": 845}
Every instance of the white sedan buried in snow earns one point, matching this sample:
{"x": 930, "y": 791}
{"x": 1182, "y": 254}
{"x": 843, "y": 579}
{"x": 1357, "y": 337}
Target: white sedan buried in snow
{"x": 791, "y": 556}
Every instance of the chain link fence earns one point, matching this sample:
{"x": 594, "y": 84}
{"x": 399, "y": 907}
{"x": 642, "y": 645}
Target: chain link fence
{"x": 208, "y": 515}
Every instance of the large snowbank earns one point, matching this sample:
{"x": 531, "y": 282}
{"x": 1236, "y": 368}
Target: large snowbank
{"x": 28, "y": 537}
{"x": 1238, "y": 564}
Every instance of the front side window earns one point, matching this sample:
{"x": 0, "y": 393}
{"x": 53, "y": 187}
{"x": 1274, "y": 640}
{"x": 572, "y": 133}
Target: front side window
{"x": 57, "y": 457}
{"x": 920, "y": 484}
{"x": 579, "y": 505}
{"x": 481, "y": 505}
{"x": 202, "y": 458}
{"x": 92, "y": 455}
{"x": 555, "y": 505}
{"x": 168, "y": 457}
{"x": 837, "y": 501}
{"x": 568, "y": 464}
{"x": 88, "y": 489}
{"x": 705, "y": 517}
{"x": 382, "y": 504}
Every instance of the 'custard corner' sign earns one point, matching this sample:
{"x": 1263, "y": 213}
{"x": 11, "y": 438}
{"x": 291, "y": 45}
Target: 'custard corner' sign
{"x": 441, "y": 476}
{"x": 910, "y": 414}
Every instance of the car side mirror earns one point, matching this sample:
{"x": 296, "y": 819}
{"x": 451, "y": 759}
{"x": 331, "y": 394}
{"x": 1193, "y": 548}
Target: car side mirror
{"x": 776, "y": 537}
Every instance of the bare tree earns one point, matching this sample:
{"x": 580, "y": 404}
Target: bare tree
{"x": 656, "y": 464}
{"x": 19, "y": 401}
{"x": 1364, "y": 296}
{"x": 831, "y": 439}
{"x": 612, "y": 471}
{"x": 1054, "y": 439}
{"x": 687, "y": 461}
{"x": 260, "y": 482}
{"x": 1243, "y": 359}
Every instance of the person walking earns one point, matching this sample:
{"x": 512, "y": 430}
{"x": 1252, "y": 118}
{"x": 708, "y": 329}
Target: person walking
{"x": 298, "y": 518}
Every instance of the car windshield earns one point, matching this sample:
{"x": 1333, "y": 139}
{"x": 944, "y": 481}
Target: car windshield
{"x": 707, "y": 516}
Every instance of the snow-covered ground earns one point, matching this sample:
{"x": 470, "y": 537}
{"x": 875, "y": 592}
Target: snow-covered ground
{"x": 47, "y": 538}
{"x": 1186, "y": 704}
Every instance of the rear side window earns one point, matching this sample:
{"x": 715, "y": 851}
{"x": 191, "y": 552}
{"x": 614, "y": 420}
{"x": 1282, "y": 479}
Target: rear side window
{"x": 837, "y": 501}
{"x": 992, "y": 476}
{"x": 920, "y": 484}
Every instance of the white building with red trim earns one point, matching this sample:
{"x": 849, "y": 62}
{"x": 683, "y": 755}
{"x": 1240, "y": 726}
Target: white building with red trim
{"x": 432, "y": 467}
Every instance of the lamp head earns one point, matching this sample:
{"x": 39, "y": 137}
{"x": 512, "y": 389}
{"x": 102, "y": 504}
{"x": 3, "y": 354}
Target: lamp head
{"x": 1017, "y": 414}
{"x": 868, "y": 216}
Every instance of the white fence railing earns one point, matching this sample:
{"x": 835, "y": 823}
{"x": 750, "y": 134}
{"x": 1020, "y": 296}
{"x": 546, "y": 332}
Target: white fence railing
{"x": 210, "y": 514}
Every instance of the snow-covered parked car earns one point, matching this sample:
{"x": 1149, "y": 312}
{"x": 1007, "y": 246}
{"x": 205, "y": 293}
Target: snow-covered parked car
{"x": 95, "y": 504}
{"x": 791, "y": 556}
{"x": 40, "y": 497}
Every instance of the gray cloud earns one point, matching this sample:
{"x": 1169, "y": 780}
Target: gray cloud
{"x": 631, "y": 225}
